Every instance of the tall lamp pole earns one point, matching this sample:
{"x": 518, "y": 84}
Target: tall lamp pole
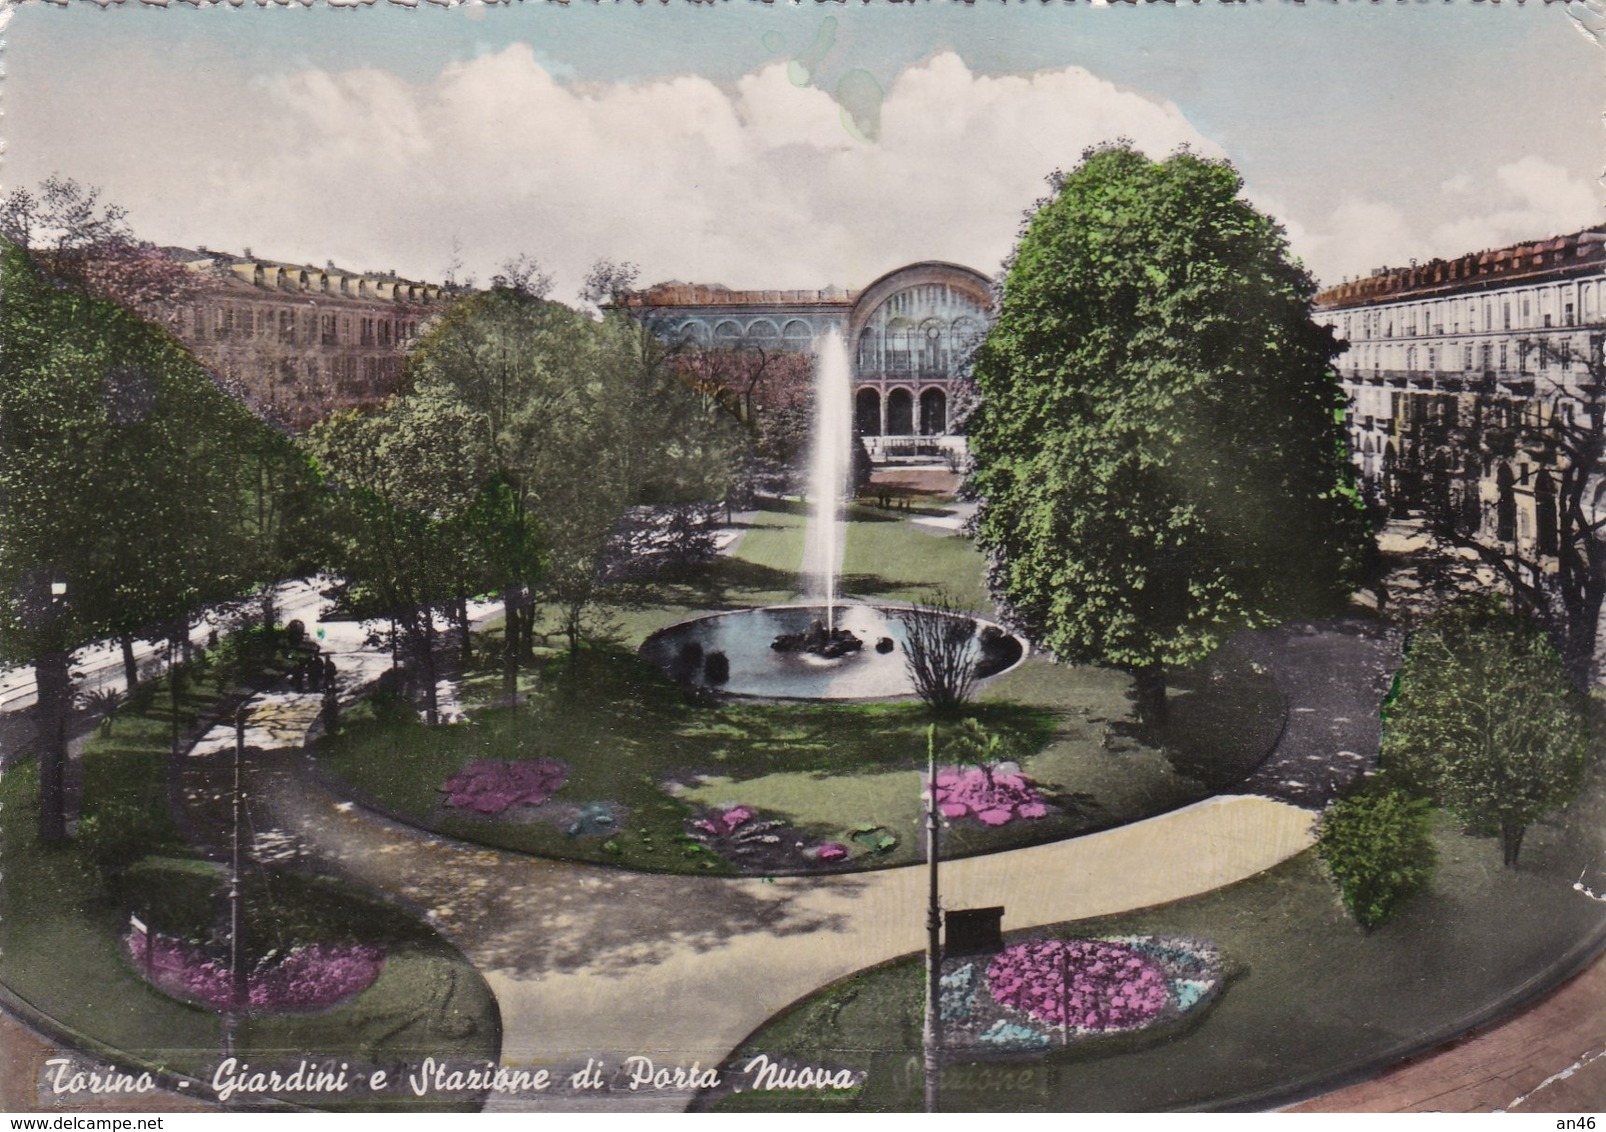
{"x": 236, "y": 968}
{"x": 932, "y": 1037}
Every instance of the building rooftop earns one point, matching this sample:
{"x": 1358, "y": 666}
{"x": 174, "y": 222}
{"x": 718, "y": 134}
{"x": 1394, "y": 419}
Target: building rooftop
{"x": 276, "y": 275}
{"x": 1555, "y": 258}
{"x": 678, "y": 294}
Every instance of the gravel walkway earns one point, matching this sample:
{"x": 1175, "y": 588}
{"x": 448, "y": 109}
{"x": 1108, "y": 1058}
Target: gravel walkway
{"x": 1335, "y": 675}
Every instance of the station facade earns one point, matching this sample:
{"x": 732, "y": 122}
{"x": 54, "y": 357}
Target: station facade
{"x": 909, "y": 335}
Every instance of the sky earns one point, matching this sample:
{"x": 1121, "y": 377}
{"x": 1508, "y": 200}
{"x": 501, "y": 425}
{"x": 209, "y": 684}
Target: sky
{"x": 794, "y": 145}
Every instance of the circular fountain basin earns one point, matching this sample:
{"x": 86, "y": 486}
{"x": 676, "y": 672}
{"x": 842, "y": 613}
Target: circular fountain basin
{"x": 732, "y": 653}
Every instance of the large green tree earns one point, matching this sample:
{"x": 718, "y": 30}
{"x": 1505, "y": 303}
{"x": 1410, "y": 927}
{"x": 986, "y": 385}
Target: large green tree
{"x": 580, "y": 419}
{"x": 410, "y": 485}
{"x": 120, "y": 488}
{"x": 1157, "y": 442}
{"x": 1487, "y": 723}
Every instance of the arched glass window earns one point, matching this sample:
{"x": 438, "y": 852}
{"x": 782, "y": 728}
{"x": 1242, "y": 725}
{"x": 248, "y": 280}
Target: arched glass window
{"x": 763, "y": 335}
{"x": 899, "y": 333}
{"x": 797, "y": 337}
{"x": 869, "y": 352}
{"x": 931, "y": 348}
{"x": 900, "y": 413}
{"x": 867, "y": 412}
{"x": 933, "y": 413}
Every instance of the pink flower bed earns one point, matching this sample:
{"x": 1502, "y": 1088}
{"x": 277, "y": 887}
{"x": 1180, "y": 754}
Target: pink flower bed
{"x": 752, "y": 842}
{"x": 314, "y": 975}
{"x": 992, "y": 797}
{"x": 489, "y": 786}
{"x": 723, "y": 823}
{"x": 1089, "y": 985}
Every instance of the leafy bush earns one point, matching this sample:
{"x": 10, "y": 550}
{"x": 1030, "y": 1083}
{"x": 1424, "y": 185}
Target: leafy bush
{"x": 255, "y": 655}
{"x": 103, "y": 704}
{"x": 1377, "y": 848}
{"x": 1486, "y": 722}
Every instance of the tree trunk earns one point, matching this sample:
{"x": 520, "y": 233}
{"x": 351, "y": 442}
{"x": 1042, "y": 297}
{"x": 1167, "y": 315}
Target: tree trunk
{"x": 53, "y": 679}
{"x": 426, "y": 639}
{"x": 173, "y": 634}
{"x": 270, "y": 609}
{"x": 460, "y": 614}
{"x": 1149, "y": 694}
{"x": 130, "y": 666}
{"x": 1511, "y": 842}
{"x": 510, "y": 644}
{"x": 571, "y": 628}
{"x": 526, "y": 627}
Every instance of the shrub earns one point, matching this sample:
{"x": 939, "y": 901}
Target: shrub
{"x": 1486, "y": 722}
{"x": 1377, "y": 848}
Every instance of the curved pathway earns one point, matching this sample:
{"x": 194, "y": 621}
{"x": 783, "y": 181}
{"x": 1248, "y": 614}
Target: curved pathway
{"x": 595, "y": 963}
{"x": 1335, "y": 675}
{"x": 589, "y": 962}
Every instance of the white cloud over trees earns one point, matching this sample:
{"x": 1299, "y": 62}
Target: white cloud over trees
{"x": 757, "y": 184}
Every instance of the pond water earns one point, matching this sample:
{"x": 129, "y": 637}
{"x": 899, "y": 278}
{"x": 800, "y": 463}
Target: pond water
{"x": 690, "y": 653}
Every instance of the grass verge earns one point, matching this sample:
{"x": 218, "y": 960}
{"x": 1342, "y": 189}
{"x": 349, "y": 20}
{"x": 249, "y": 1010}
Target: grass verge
{"x": 1310, "y": 997}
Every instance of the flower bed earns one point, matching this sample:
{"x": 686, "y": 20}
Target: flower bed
{"x": 490, "y": 786}
{"x": 993, "y": 796}
{"x": 310, "y": 976}
{"x": 754, "y": 843}
{"x": 1046, "y": 992}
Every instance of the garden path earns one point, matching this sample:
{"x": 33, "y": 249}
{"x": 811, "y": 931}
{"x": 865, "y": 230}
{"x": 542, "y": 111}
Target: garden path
{"x": 594, "y": 962}
{"x": 1335, "y": 675}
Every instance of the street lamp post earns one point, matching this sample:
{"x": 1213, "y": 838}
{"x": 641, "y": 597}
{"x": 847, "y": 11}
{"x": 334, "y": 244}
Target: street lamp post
{"x": 932, "y": 1037}
{"x": 53, "y": 705}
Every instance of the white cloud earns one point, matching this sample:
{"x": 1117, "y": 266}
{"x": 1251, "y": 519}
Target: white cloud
{"x": 1527, "y": 199}
{"x": 759, "y": 184}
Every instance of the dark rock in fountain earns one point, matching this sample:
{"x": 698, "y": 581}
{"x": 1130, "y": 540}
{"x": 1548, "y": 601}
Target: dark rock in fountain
{"x": 716, "y": 669}
{"x": 885, "y": 645}
{"x": 688, "y": 661}
{"x": 819, "y": 641}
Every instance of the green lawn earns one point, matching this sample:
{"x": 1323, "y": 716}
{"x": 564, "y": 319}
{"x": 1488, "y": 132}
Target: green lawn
{"x": 632, "y": 739}
{"x": 1310, "y": 997}
{"x": 888, "y": 556}
{"x": 848, "y": 773}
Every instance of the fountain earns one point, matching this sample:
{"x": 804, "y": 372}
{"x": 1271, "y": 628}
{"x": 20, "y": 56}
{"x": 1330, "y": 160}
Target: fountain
{"x": 816, "y": 650}
{"x": 830, "y": 461}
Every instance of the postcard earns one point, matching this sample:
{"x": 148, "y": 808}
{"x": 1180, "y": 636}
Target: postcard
{"x": 802, "y": 557}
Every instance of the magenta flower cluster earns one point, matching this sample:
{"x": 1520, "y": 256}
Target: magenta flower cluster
{"x": 993, "y": 797}
{"x": 489, "y": 786}
{"x": 313, "y": 975}
{"x": 1088, "y": 985}
{"x": 722, "y": 823}
{"x": 747, "y": 840}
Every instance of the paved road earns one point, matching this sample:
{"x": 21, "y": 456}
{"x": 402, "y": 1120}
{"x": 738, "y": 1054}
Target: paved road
{"x": 100, "y": 665}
